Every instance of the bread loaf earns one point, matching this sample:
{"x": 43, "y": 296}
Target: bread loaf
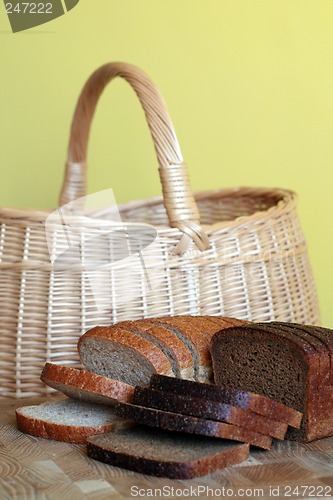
{"x": 132, "y": 351}
{"x": 288, "y": 363}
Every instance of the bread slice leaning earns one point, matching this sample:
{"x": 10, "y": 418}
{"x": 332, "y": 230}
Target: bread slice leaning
{"x": 121, "y": 355}
{"x": 86, "y": 386}
{"x": 67, "y": 420}
{"x": 165, "y": 454}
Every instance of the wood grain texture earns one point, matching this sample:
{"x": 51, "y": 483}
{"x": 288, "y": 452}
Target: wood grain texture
{"x": 40, "y": 469}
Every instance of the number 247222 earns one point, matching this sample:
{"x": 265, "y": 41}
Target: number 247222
{"x": 28, "y": 8}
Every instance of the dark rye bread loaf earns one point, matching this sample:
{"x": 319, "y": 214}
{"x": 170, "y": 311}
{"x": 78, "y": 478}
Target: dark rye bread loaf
{"x": 86, "y": 386}
{"x": 183, "y": 423}
{"x": 242, "y": 399}
{"x": 204, "y": 408}
{"x": 165, "y": 454}
{"x": 121, "y": 355}
{"x": 283, "y": 362}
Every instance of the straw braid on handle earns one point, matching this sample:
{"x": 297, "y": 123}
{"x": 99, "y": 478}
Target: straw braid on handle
{"x": 179, "y": 202}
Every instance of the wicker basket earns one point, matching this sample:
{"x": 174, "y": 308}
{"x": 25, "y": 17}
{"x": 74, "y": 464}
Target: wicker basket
{"x": 243, "y": 256}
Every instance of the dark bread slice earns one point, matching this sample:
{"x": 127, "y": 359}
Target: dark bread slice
{"x": 165, "y": 454}
{"x": 311, "y": 412}
{"x": 281, "y": 365}
{"x": 322, "y": 338}
{"x": 86, "y": 386}
{"x": 242, "y": 399}
{"x": 183, "y": 423}
{"x": 323, "y": 358}
{"x": 212, "y": 410}
{"x": 320, "y": 401}
{"x": 67, "y": 420}
{"x": 121, "y": 355}
{"x": 175, "y": 350}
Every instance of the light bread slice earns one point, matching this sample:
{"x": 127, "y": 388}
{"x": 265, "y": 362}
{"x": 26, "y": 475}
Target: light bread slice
{"x": 67, "y": 420}
{"x": 165, "y": 454}
{"x": 86, "y": 386}
{"x": 121, "y": 355}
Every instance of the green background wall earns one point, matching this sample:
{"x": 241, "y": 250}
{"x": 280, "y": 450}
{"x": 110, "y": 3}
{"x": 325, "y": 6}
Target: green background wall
{"x": 248, "y": 84}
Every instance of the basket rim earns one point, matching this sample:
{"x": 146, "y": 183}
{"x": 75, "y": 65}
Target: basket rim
{"x": 288, "y": 200}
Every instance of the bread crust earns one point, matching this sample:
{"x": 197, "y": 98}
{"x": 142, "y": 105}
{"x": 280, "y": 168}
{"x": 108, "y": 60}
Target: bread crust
{"x": 193, "y": 425}
{"x": 63, "y": 432}
{"x": 126, "y": 339}
{"x": 172, "y": 342}
{"x": 207, "y": 409}
{"x": 86, "y": 386}
{"x": 318, "y": 404}
{"x": 243, "y": 399}
{"x": 104, "y": 449}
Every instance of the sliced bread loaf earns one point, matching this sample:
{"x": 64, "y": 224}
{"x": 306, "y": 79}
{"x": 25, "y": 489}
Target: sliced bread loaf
{"x": 282, "y": 363}
{"x": 173, "y": 347}
{"x": 67, "y": 420}
{"x": 192, "y": 425}
{"x": 86, "y": 386}
{"x": 121, "y": 355}
{"x": 194, "y": 340}
{"x": 236, "y": 397}
{"x": 212, "y": 410}
{"x": 165, "y": 454}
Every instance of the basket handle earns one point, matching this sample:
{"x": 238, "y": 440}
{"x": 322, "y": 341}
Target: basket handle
{"x": 179, "y": 202}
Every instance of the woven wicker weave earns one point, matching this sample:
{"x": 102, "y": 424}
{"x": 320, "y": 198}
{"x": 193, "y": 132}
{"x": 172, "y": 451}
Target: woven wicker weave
{"x": 243, "y": 256}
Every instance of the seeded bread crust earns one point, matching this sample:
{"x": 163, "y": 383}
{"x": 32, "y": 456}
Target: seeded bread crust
{"x": 86, "y": 386}
{"x": 93, "y": 346}
{"x": 242, "y": 399}
{"x": 317, "y": 400}
{"x": 212, "y": 410}
{"x": 193, "y": 425}
{"x": 165, "y": 454}
{"x": 168, "y": 342}
{"x": 72, "y": 433}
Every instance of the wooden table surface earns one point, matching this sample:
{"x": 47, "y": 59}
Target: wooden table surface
{"x": 36, "y": 468}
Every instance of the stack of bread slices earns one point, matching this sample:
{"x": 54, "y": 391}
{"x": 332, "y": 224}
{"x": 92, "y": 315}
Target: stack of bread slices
{"x": 147, "y": 400}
